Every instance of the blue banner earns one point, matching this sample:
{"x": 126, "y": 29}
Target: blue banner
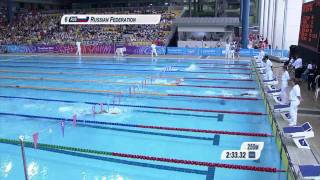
{"x": 105, "y": 49}
{"x": 212, "y": 52}
{"x": 176, "y": 51}
{"x": 245, "y": 52}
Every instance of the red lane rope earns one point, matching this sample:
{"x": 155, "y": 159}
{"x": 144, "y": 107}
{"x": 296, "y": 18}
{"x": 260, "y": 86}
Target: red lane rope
{"x": 220, "y": 97}
{"x": 199, "y": 163}
{"x": 224, "y": 64}
{"x": 235, "y": 133}
{"x": 221, "y": 79}
{"x": 217, "y": 87}
{"x": 225, "y": 68}
{"x": 198, "y": 110}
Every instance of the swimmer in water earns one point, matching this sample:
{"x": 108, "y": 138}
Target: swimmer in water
{"x": 248, "y": 94}
{"x": 179, "y": 81}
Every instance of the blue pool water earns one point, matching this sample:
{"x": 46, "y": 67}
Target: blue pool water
{"x": 37, "y": 92}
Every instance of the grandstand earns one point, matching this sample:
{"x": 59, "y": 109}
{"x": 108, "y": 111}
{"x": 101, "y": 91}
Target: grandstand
{"x": 43, "y": 28}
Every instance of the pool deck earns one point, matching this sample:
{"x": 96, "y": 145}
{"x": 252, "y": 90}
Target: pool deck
{"x": 309, "y": 111}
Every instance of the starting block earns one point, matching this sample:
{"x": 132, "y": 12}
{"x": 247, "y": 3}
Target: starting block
{"x": 310, "y": 172}
{"x": 281, "y": 108}
{"x": 300, "y": 134}
{"x": 271, "y": 82}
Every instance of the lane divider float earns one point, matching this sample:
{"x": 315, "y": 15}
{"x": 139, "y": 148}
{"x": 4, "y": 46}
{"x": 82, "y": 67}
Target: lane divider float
{"x": 117, "y": 105}
{"x": 43, "y": 146}
{"x": 123, "y": 75}
{"x": 122, "y": 69}
{"x": 234, "y": 133}
{"x": 115, "y": 82}
{"x": 124, "y": 93}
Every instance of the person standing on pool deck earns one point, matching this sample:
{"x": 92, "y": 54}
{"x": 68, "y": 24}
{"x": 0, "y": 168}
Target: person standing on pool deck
{"x": 78, "y": 43}
{"x": 297, "y": 64}
{"x": 261, "y": 55}
{"x": 295, "y": 98}
{"x": 284, "y": 85}
{"x": 154, "y": 50}
{"x": 227, "y": 50}
{"x": 268, "y": 63}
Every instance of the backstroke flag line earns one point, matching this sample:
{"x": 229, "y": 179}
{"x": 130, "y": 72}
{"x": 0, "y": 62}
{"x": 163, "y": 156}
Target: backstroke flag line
{"x": 63, "y": 124}
{"x": 35, "y": 139}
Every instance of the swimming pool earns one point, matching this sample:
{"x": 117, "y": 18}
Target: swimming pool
{"x": 161, "y": 108}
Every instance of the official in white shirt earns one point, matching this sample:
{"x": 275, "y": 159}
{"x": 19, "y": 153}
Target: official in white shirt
{"x": 297, "y": 64}
{"x": 154, "y": 50}
{"x": 284, "y": 85}
{"x": 261, "y": 55}
{"x": 227, "y": 50}
{"x": 295, "y": 98}
{"x": 78, "y": 43}
{"x": 268, "y": 65}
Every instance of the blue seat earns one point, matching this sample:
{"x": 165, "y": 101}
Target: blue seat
{"x": 300, "y": 134}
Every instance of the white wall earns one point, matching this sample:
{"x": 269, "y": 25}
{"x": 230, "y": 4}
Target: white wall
{"x": 279, "y": 29}
{"x": 261, "y": 15}
{"x": 201, "y": 29}
{"x": 198, "y": 44}
{"x": 292, "y": 27}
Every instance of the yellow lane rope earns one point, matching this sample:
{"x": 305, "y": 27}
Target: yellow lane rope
{"x": 79, "y": 90}
{"x": 78, "y": 73}
{"x": 73, "y": 80}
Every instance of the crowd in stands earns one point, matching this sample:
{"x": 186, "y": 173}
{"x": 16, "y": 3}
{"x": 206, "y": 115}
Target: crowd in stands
{"x": 257, "y": 41}
{"x": 43, "y": 27}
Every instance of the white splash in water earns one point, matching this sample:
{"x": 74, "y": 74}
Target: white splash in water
{"x": 115, "y": 110}
{"x": 6, "y": 168}
{"x": 192, "y": 67}
{"x": 237, "y": 76}
{"x": 77, "y": 109}
{"x": 159, "y": 68}
{"x": 227, "y": 93}
{"x": 116, "y": 177}
{"x": 65, "y": 109}
{"x": 162, "y": 81}
{"x": 33, "y": 169}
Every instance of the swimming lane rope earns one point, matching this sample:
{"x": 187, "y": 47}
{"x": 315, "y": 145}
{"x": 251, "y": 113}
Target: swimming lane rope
{"x": 125, "y": 75}
{"x": 128, "y": 64}
{"x": 130, "y": 83}
{"x": 234, "y": 133}
{"x": 122, "y": 93}
{"x": 123, "y": 69}
{"x": 45, "y": 147}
